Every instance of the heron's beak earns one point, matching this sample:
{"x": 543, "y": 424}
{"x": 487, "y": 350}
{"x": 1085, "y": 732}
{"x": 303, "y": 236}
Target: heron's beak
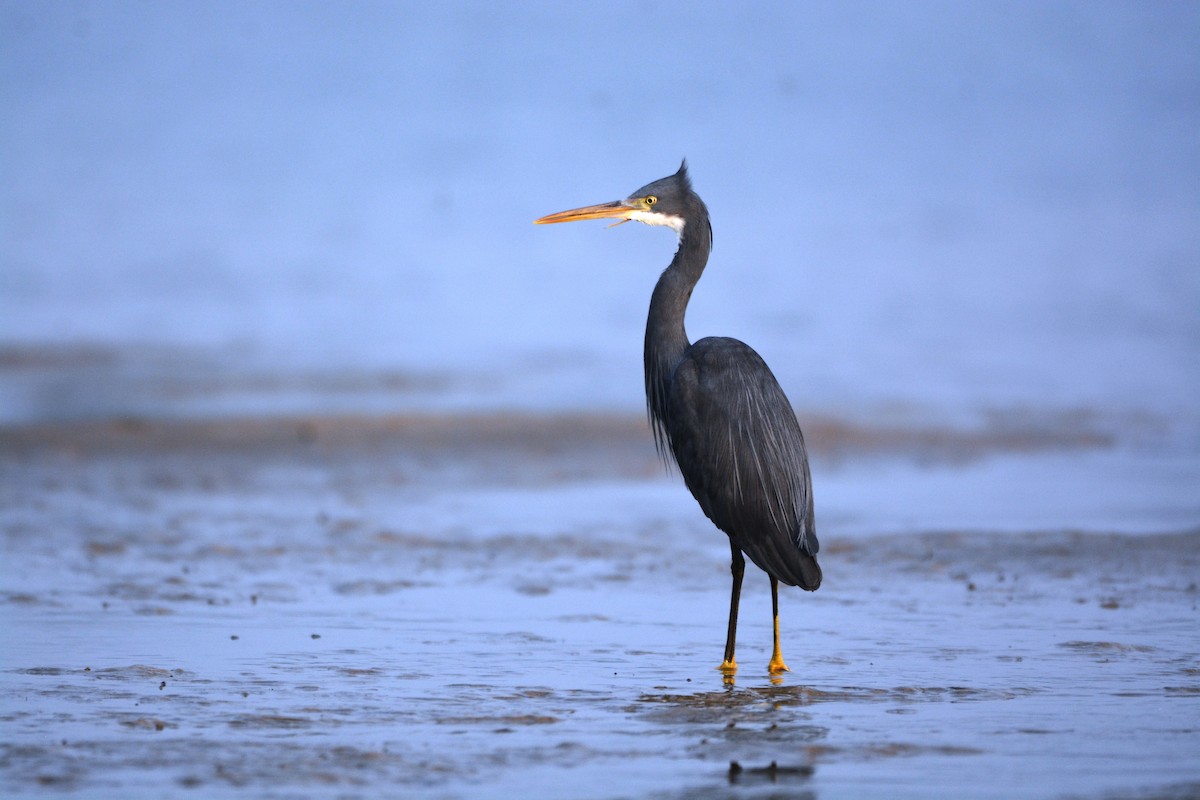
{"x": 617, "y": 209}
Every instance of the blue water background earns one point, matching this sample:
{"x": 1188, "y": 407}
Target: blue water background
{"x": 933, "y": 209}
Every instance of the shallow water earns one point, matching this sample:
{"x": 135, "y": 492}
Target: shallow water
{"x": 325, "y": 608}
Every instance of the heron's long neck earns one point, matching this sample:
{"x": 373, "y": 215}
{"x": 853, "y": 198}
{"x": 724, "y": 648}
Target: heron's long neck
{"x": 666, "y": 338}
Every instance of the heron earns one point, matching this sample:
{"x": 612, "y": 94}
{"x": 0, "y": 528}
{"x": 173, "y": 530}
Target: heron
{"x": 716, "y": 408}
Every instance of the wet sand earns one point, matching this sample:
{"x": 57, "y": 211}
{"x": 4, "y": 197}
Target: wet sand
{"x": 492, "y": 605}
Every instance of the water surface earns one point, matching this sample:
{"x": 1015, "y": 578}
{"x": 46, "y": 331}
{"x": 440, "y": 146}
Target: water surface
{"x": 343, "y": 608}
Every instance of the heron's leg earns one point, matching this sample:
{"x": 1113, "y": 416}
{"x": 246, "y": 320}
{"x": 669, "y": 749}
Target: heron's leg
{"x": 776, "y": 666}
{"x": 738, "y": 568}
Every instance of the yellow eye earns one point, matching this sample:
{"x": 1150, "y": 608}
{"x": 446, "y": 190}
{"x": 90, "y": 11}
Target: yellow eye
{"x": 650, "y": 200}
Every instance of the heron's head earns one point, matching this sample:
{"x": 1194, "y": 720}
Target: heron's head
{"x": 668, "y": 201}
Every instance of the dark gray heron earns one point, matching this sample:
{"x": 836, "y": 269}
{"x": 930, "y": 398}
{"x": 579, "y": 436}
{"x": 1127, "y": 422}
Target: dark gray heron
{"x": 717, "y": 409}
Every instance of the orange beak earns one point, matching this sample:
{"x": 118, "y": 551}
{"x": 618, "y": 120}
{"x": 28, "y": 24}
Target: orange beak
{"x": 614, "y": 210}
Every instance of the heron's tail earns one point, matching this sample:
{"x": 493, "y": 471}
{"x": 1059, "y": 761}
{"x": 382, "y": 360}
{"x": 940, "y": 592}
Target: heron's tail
{"x": 789, "y": 565}
{"x": 809, "y": 574}
{"x": 798, "y": 569}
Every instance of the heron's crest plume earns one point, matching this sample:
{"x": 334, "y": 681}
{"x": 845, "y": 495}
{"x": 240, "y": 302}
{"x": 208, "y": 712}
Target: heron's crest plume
{"x": 670, "y": 202}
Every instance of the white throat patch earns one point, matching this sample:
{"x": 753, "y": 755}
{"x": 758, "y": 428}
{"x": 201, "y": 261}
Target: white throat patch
{"x": 654, "y": 218}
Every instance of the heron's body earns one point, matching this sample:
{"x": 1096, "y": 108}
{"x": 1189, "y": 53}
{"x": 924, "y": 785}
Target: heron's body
{"x": 718, "y": 410}
{"x": 742, "y": 455}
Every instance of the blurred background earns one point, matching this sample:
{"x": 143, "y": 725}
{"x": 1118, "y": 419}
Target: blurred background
{"x": 934, "y": 211}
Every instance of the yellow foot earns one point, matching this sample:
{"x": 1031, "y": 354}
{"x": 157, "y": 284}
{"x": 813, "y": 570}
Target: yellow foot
{"x": 728, "y": 667}
{"x": 777, "y": 666}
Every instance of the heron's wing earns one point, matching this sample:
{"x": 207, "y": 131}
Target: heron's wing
{"x": 738, "y": 444}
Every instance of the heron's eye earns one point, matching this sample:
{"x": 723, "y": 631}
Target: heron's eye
{"x": 651, "y": 200}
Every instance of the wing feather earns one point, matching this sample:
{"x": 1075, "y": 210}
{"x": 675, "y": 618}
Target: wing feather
{"x": 741, "y": 452}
